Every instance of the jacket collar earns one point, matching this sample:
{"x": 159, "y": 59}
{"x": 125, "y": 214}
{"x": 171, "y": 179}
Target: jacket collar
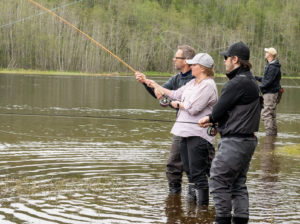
{"x": 236, "y": 71}
{"x": 189, "y": 72}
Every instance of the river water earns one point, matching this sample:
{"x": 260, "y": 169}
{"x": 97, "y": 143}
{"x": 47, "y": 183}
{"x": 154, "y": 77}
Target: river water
{"x": 68, "y": 156}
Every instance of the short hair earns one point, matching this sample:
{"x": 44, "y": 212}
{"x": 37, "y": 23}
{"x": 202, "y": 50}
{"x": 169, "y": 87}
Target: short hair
{"x": 187, "y": 51}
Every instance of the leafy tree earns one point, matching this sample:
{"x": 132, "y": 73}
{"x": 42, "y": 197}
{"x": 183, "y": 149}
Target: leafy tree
{"x": 145, "y": 33}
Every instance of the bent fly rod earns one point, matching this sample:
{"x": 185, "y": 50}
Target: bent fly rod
{"x": 82, "y": 33}
{"x": 164, "y": 101}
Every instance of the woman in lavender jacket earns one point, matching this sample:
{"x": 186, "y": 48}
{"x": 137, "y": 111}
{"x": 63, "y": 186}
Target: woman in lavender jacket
{"x": 194, "y": 100}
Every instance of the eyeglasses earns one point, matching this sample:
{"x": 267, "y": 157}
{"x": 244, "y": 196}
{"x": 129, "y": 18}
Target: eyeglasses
{"x": 179, "y": 58}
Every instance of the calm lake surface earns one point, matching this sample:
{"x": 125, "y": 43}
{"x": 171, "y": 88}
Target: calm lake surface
{"x": 72, "y": 162}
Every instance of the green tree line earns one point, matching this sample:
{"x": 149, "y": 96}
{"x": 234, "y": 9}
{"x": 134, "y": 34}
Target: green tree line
{"x": 145, "y": 33}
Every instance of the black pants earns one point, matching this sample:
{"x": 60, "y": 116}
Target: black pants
{"x": 174, "y": 164}
{"x": 194, "y": 153}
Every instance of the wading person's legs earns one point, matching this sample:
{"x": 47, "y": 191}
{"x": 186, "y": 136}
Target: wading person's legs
{"x": 240, "y": 198}
{"x": 228, "y": 178}
{"x": 198, "y": 153}
{"x": 184, "y": 153}
{"x": 174, "y": 167}
{"x": 268, "y": 113}
{"x": 211, "y": 156}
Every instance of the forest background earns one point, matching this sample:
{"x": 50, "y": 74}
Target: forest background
{"x": 145, "y": 33}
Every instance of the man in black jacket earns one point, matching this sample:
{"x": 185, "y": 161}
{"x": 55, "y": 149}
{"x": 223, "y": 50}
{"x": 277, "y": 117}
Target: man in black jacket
{"x": 174, "y": 168}
{"x": 237, "y": 113}
{"x": 270, "y": 87}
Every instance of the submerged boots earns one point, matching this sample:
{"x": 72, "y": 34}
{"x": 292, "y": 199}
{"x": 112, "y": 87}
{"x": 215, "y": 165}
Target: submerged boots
{"x": 223, "y": 220}
{"x": 235, "y": 220}
{"x": 202, "y": 197}
{"x": 239, "y": 220}
{"x": 191, "y": 193}
{"x": 175, "y": 188}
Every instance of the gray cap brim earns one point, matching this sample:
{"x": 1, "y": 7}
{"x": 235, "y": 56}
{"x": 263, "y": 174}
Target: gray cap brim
{"x": 191, "y": 62}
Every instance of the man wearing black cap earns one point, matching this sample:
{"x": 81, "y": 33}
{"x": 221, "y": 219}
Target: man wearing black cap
{"x": 237, "y": 114}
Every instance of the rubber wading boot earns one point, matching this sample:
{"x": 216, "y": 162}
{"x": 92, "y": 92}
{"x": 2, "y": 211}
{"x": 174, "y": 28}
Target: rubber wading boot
{"x": 223, "y": 220}
{"x": 202, "y": 197}
{"x": 240, "y": 220}
{"x": 191, "y": 193}
{"x": 175, "y": 188}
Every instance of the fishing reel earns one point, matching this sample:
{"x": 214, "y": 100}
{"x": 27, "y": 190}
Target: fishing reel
{"x": 212, "y": 130}
{"x": 164, "y": 101}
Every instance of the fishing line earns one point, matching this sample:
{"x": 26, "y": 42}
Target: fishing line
{"x": 69, "y": 116}
{"x": 82, "y": 33}
{"x": 211, "y": 130}
{"x": 72, "y": 116}
{"x": 97, "y": 117}
{"x": 49, "y": 136}
{"x": 30, "y": 17}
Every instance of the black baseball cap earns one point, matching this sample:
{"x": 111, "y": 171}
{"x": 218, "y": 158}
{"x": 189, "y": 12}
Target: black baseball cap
{"x": 238, "y": 49}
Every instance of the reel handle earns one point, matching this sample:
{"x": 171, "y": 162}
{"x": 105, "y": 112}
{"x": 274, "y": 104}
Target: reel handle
{"x": 164, "y": 101}
{"x": 212, "y": 130}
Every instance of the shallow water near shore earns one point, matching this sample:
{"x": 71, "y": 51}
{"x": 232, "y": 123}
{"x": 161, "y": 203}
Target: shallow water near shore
{"x": 65, "y": 159}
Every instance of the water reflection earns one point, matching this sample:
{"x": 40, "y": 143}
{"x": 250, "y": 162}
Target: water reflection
{"x": 268, "y": 193}
{"x": 269, "y": 163}
{"x": 82, "y": 170}
{"x": 193, "y": 214}
{"x": 174, "y": 211}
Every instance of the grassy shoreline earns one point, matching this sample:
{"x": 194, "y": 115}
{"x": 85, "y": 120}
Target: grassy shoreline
{"x": 64, "y": 73}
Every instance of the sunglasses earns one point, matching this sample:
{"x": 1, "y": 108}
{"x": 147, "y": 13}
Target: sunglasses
{"x": 225, "y": 57}
{"x": 179, "y": 58}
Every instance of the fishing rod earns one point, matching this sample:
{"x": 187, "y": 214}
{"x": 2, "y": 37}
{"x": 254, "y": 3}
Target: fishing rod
{"x": 39, "y": 14}
{"x": 211, "y": 131}
{"x": 163, "y": 100}
{"x": 82, "y": 33}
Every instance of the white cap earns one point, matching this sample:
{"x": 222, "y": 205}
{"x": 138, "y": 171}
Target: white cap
{"x": 271, "y": 51}
{"x": 203, "y": 59}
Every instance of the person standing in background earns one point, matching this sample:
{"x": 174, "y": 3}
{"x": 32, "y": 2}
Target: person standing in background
{"x": 271, "y": 90}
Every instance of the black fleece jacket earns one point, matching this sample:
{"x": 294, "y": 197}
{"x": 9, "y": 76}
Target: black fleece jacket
{"x": 237, "y": 111}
